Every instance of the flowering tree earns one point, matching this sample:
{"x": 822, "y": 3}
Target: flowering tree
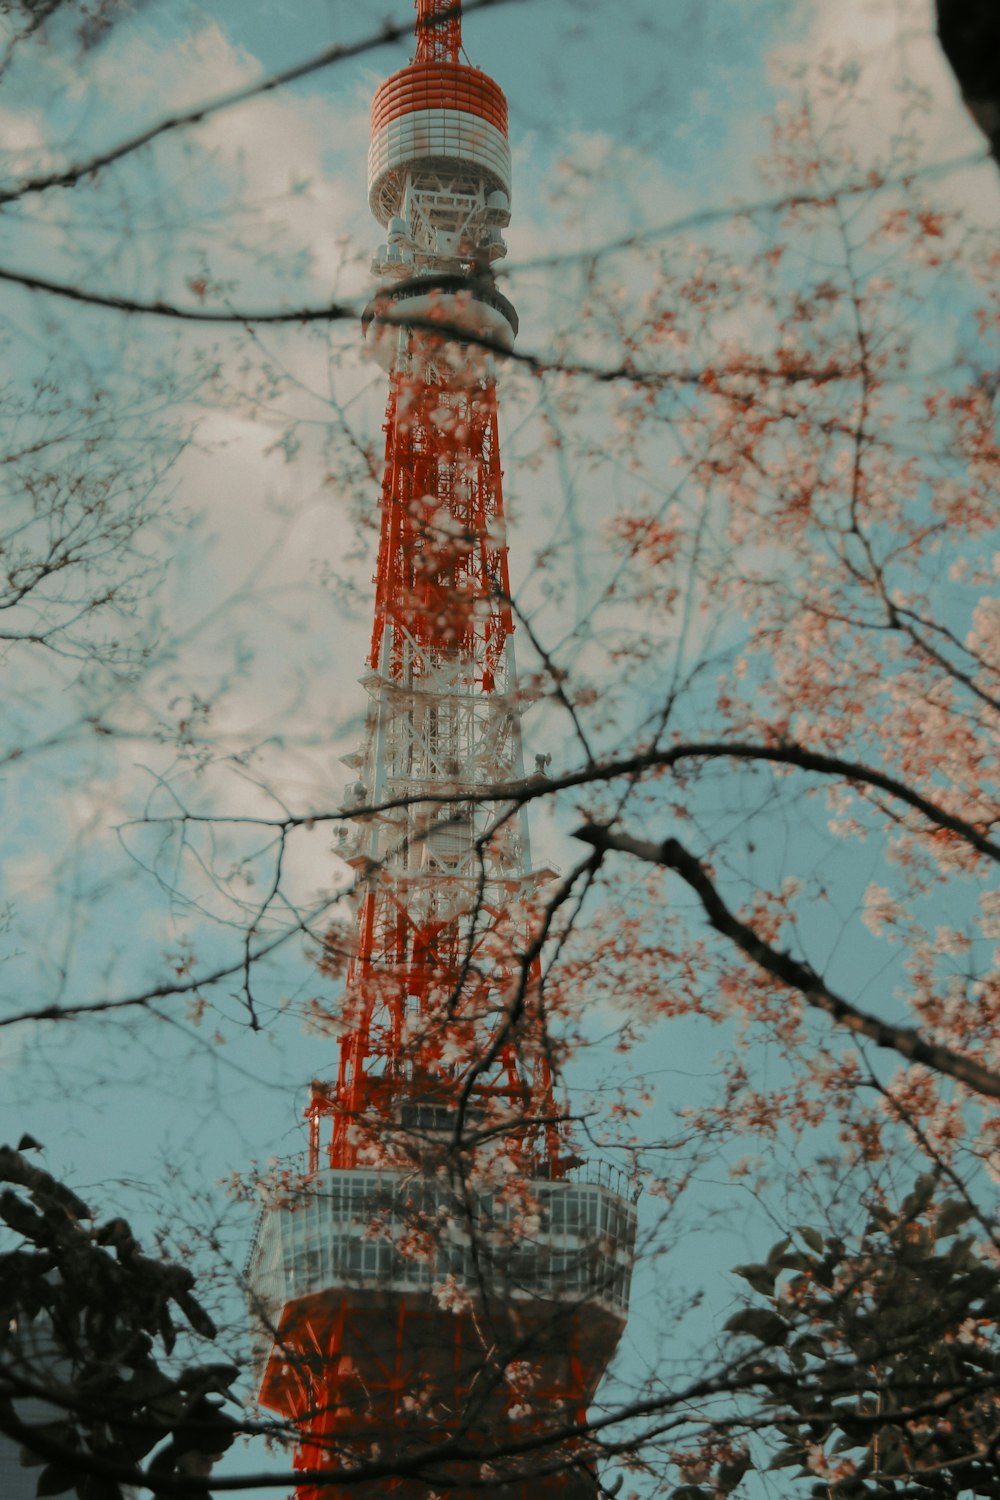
{"x": 762, "y": 655}
{"x": 881, "y": 1362}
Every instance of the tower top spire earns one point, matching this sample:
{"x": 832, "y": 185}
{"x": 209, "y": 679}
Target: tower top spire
{"x": 439, "y": 30}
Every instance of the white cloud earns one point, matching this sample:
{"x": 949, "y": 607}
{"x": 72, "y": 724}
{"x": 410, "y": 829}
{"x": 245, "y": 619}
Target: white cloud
{"x": 905, "y": 86}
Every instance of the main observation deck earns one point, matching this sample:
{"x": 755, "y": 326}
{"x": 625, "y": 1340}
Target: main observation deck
{"x": 358, "y": 1231}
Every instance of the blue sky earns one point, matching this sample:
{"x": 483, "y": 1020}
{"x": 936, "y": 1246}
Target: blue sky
{"x": 623, "y": 119}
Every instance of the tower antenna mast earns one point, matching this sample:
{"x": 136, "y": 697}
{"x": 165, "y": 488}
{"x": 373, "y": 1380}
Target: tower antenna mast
{"x": 439, "y": 30}
{"x": 447, "y": 1275}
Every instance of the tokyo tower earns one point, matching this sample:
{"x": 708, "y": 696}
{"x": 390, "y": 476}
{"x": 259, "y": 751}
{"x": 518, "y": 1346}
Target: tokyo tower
{"x": 436, "y": 1298}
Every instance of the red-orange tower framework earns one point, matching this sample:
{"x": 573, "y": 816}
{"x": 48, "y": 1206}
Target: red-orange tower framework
{"x": 445, "y": 1288}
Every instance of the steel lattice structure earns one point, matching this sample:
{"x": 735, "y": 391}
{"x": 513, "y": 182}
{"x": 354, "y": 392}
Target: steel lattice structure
{"x": 445, "y": 1286}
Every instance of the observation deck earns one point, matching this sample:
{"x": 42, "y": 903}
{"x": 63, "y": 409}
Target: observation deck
{"x": 356, "y": 1234}
{"x": 440, "y": 115}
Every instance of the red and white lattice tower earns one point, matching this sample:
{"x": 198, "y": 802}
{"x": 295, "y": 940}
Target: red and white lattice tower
{"x": 448, "y": 1279}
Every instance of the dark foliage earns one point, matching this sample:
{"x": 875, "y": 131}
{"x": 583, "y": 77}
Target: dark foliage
{"x": 85, "y": 1321}
{"x": 881, "y": 1365}
{"x": 969, "y": 31}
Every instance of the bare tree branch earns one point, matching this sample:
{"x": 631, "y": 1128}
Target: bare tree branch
{"x": 534, "y": 787}
{"x": 390, "y": 31}
{"x": 672, "y": 855}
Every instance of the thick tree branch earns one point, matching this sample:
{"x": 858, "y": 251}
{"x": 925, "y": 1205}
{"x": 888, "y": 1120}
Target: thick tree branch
{"x": 533, "y": 787}
{"x": 333, "y": 312}
{"x": 800, "y": 373}
{"x": 834, "y": 765}
{"x": 672, "y": 855}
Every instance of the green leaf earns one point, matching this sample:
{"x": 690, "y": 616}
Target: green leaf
{"x": 916, "y": 1202}
{"x": 811, "y": 1344}
{"x": 729, "y": 1474}
{"x": 797, "y": 1260}
{"x": 786, "y": 1457}
{"x": 776, "y": 1254}
{"x": 93, "y": 1488}
{"x": 759, "y": 1277}
{"x": 812, "y": 1237}
{"x": 953, "y": 1214}
{"x": 48, "y": 1432}
{"x": 55, "y": 1479}
{"x": 760, "y": 1323}
{"x": 138, "y": 1437}
{"x": 148, "y": 1384}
